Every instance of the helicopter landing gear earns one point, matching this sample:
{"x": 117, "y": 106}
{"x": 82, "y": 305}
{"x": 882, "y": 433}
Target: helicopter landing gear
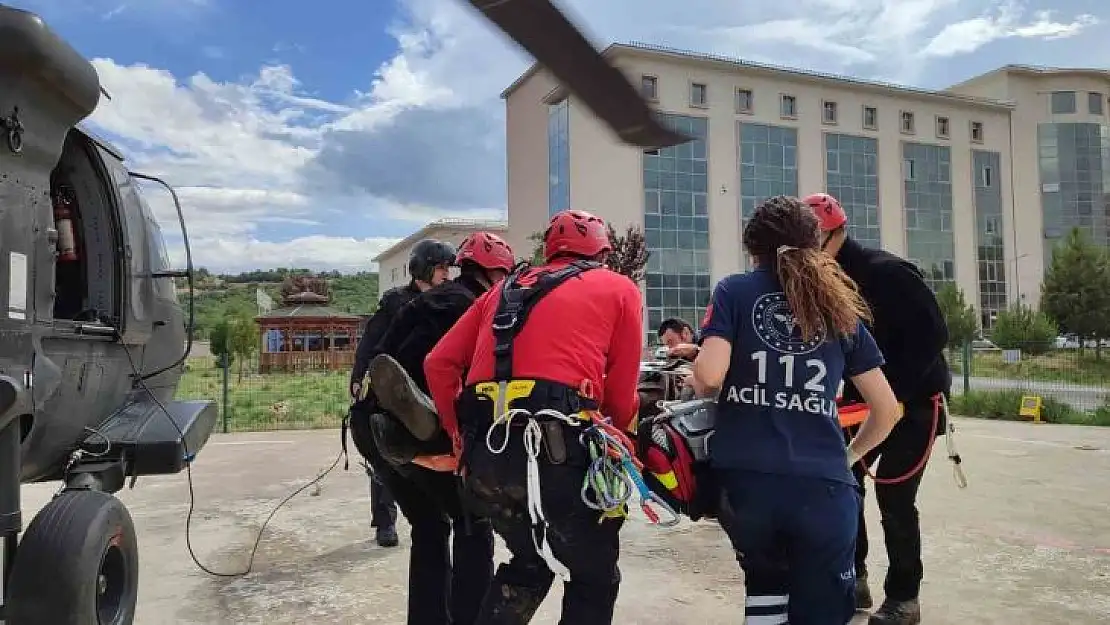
{"x": 78, "y": 564}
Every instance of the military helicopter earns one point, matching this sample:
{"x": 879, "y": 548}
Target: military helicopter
{"x": 91, "y": 343}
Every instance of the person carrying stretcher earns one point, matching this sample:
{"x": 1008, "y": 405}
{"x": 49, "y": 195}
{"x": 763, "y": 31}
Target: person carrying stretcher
{"x": 543, "y": 353}
{"x": 910, "y": 329}
{"x": 451, "y": 561}
{"x": 776, "y": 342}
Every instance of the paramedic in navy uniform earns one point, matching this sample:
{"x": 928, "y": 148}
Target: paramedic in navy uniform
{"x": 775, "y": 344}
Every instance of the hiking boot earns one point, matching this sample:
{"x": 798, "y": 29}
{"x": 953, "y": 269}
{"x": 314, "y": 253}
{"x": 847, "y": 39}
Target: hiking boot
{"x": 863, "y": 594}
{"x": 387, "y": 537}
{"x": 897, "y": 613}
{"x": 399, "y": 395}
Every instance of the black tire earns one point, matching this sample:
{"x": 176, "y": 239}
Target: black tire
{"x": 77, "y": 564}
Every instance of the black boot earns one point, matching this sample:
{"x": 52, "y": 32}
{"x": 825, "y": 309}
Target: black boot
{"x": 863, "y": 593}
{"x": 399, "y": 395}
{"x": 897, "y": 613}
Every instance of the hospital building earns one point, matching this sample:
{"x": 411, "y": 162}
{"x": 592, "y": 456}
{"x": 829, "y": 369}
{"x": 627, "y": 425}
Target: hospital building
{"x": 974, "y": 183}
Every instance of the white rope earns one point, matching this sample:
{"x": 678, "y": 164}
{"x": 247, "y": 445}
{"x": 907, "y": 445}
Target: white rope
{"x": 950, "y": 443}
{"x": 533, "y": 445}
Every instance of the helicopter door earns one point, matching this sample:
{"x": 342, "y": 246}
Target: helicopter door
{"x": 86, "y": 261}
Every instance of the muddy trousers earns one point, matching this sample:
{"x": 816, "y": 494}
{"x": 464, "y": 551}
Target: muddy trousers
{"x": 794, "y": 538}
{"x": 897, "y": 455}
{"x": 451, "y": 560}
{"x": 496, "y": 484}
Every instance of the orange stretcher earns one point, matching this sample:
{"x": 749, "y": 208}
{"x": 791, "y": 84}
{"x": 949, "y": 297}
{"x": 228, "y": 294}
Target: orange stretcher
{"x": 851, "y": 414}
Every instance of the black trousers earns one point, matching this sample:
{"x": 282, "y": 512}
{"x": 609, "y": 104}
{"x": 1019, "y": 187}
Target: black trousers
{"x": 451, "y": 558}
{"x": 497, "y": 485}
{"x": 383, "y": 508}
{"x": 897, "y": 455}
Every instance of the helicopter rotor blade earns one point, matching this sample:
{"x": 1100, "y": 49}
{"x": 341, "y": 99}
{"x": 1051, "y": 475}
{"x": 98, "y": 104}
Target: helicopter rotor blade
{"x": 547, "y": 34}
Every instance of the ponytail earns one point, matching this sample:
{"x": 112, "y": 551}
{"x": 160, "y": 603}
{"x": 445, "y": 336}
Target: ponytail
{"x": 820, "y": 294}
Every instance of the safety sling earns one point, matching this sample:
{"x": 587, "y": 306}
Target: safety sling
{"x": 544, "y": 424}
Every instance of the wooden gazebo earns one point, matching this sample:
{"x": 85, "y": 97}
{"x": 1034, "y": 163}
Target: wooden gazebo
{"x": 305, "y": 333}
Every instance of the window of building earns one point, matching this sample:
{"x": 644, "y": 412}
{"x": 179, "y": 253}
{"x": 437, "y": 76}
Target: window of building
{"x": 828, "y": 112}
{"x": 908, "y": 169}
{"x": 393, "y": 275}
{"x": 870, "y": 118}
{"x": 907, "y": 122}
{"x": 699, "y": 94}
{"x": 942, "y": 127}
{"x": 676, "y": 224}
{"x": 986, "y": 176}
{"x": 1063, "y": 102}
{"x": 745, "y": 101}
{"x": 558, "y": 156}
{"x": 1094, "y": 103}
{"x": 789, "y": 107}
{"x": 927, "y": 208}
{"x": 852, "y": 176}
{"x": 649, "y": 87}
{"x": 977, "y": 132}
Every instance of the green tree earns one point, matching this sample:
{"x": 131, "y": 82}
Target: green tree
{"x": 236, "y": 336}
{"x": 1021, "y": 327}
{"x": 537, "y": 247}
{"x": 630, "y": 254}
{"x": 1076, "y": 288}
{"x": 962, "y": 320}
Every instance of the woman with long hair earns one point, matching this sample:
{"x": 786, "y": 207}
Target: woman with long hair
{"x": 777, "y": 341}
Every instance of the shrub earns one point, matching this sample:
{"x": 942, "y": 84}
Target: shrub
{"x": 1005, "y": 405}
{"x": 1026, "y": 329}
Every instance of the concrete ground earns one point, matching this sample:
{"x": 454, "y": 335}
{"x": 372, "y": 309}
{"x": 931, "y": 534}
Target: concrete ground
{"x": 1027, "y": 543}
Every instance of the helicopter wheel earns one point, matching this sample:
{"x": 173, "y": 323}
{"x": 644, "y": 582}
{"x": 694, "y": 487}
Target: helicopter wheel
{"x": 77, "y": 564}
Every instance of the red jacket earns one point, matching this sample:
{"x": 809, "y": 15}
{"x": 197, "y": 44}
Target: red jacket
{"x": 589, "y": 328}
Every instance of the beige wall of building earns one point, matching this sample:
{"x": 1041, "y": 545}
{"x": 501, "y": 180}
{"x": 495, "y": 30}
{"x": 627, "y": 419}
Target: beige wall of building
{"x": 393, "y": 262}
{"x": 607, "y": 177}
{"x": 1030, "y": 90}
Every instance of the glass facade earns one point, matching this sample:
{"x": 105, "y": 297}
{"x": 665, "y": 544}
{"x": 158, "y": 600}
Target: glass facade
{"x": 852, "y": 176}
{"x": 558, "y": 156}
{"x": 1075, "y": 178}
{"x": 927, "y": 197}
{"x": 989, "y": 241}
{"x": 768, "y": 164}
{"x": 676, "y": 225}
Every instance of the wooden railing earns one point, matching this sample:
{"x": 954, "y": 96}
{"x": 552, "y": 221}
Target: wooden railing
{"x": 305, "y": 361}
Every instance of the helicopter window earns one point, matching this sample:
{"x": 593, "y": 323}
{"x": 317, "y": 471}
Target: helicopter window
{"x": 86, "y": 263}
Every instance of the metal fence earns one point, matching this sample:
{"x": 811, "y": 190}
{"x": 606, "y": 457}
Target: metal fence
{"x": 1067, "y": 379}
{"x": 253, "y": 401}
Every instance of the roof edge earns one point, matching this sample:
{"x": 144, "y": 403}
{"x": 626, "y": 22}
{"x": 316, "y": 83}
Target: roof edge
{"x": 496, "y": 225}
{"x": 652, "y": 50}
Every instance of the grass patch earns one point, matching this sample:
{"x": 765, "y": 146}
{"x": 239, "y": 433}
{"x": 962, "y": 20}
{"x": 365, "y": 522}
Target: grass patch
{"x": 275, "y": 401}
{"x": 1061, "y": 365}
{"x": 1004, "y": 405}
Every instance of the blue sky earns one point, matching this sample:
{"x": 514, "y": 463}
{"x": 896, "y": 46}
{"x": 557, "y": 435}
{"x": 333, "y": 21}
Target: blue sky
{"x": 317, "y": 133}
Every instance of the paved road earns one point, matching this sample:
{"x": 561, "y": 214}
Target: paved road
{"x": 1027, "y": 543}
{"x": 1078, "y": 396}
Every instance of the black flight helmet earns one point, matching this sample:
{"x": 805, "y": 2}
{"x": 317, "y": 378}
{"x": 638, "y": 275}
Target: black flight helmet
{"x": 427, "y": 255}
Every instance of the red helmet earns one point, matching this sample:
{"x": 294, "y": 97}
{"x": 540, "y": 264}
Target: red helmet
{"x": 829, "y": 212}
{"x": 576, "y": 232}
{"x": 486, "y": 250}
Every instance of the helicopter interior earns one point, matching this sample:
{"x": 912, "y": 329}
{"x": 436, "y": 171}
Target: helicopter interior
{"x": 86, "y": 265}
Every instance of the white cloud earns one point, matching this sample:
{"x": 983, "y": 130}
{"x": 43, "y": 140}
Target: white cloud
{"x": 1004, "y": 22}
{"x": 423, "y": 139}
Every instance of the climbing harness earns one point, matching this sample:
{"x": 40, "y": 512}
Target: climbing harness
{"x": 613, "y": 474}
{"x": 940, "y": 403}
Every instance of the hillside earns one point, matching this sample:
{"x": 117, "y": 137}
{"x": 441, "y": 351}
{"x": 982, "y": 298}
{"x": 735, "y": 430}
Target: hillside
{"x": 219, "y": 296}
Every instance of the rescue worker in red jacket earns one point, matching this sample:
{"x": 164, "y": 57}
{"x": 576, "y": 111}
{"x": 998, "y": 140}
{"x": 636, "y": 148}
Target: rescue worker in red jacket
{"x": 910, "y": 330}
{"x": 543, "y": 345}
